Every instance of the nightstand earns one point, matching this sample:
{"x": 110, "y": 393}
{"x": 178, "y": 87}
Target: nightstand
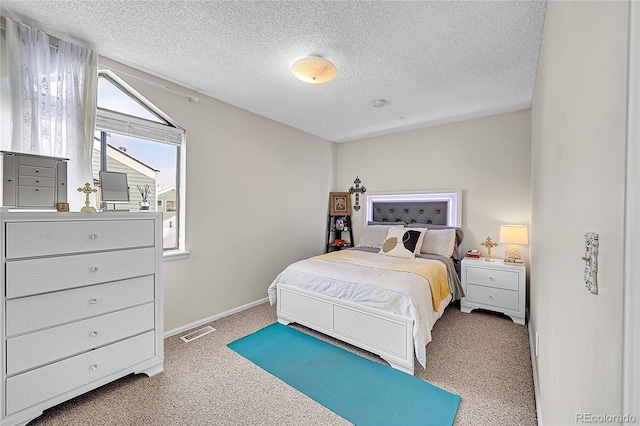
{"x": 496, "y": 286}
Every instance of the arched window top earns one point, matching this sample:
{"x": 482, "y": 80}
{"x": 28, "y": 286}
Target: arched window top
{"x": 122, "y": 109}
{"x": 113, "y": 97}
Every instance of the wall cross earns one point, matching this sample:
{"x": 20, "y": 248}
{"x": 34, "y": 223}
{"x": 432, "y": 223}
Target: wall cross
{"x": 357, "y": 190}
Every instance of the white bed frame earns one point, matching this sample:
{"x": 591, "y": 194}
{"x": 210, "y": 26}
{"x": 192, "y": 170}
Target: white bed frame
{"x": 385, "y": 334}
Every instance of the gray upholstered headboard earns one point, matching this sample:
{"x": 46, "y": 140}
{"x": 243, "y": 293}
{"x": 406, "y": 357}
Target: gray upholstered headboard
{"x": 428, "y": 212}
{"x": 432, "y": 213}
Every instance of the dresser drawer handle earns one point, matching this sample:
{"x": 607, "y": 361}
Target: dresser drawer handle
{"x": 94, "y": 334}
{"x": 93, "y": 236}
{"x": 93, "y": 301}
{"x": 94, "y": 367}
{"x": 492, "y": 279}
{"x": 94, "y": 269}
{"x": 490, "y": 297}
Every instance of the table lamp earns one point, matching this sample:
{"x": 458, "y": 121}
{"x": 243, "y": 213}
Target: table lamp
{"x": 513, "y": 235}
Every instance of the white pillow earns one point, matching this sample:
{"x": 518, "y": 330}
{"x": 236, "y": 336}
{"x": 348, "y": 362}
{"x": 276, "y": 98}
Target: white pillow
{"x": 402, "y": 243}
{"x": 374, "y": 235}
{"x": 439, "y": 241}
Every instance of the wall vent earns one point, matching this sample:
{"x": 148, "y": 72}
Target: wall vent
{"x": 198, "y": 333}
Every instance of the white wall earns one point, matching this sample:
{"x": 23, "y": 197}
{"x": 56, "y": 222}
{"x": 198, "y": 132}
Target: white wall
{"x": 257, "y": 197}
{"x": 487, "y": 158}
{"x": 578, "y": 164}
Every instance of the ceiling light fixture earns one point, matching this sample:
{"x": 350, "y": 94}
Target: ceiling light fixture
{"x": 314, "y": 69}
{"x": 379, "y": 103}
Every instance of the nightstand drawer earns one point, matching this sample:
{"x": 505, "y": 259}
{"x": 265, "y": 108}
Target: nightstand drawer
{"x": 494, "y": 297}
{"x": 493, "y": 278}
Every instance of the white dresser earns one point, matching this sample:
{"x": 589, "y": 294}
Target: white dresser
{"x": 496, "y": 286}
{"x": 82, "y": 305}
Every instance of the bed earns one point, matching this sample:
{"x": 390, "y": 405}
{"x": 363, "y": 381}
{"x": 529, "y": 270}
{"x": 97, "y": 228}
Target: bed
{"x": 379, "y": 296}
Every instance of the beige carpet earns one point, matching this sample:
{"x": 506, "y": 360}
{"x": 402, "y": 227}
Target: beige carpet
{"x": 483, "y": 357}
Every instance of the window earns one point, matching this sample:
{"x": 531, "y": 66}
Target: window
{"x": 134, "y": 137}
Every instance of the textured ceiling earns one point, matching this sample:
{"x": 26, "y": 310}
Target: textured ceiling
{"x": 433, "y": 62}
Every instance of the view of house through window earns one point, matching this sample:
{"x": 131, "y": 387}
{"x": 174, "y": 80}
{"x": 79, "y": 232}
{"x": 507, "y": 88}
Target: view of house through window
{"x": 129, "y": 139}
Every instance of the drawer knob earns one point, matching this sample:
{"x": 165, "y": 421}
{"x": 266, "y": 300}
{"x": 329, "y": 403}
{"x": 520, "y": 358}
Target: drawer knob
{"x": 492, "y": 279}
{"x": 94, "y": 367}
{"x": 94, "y": 269}
{"x": 490, "y": 297}
{"x": 93, "y": 301}
{"x": 94, "y": 334}
{"x": 93, "y": 236}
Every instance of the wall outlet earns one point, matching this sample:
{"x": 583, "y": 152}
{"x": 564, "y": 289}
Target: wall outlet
{"x": 537, "y": 344}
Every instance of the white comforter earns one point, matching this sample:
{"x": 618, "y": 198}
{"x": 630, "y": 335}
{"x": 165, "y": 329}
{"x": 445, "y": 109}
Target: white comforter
{"x": 401, "y": 293}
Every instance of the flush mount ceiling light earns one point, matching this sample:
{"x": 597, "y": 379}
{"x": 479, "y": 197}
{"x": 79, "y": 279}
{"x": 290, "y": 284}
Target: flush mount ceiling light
{"x": 314, "y": 69}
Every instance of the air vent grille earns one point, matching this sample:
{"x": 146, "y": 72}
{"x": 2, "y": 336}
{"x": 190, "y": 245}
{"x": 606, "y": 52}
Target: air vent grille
{"x": 198, "y": 333}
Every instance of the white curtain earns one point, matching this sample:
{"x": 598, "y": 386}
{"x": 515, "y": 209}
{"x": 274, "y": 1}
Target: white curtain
{"x": 53, "y": 102}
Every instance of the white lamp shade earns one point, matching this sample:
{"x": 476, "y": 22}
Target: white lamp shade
{"x": 513, "y": 234}
{"x": 314, "y": 70}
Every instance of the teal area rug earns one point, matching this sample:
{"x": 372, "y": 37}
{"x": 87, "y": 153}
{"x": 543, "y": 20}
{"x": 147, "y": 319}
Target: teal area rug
{"x": 362, "y": 391}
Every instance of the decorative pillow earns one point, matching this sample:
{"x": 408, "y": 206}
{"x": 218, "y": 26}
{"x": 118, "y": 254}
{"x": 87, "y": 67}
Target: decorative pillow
{"x": 439, "y": 241}
{"x": 401, "y": 242}
{"x": 423, "y": 233}
{"x": 374, "y": 235}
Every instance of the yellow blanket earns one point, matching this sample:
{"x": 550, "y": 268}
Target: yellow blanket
{"x": 432, "y": 270}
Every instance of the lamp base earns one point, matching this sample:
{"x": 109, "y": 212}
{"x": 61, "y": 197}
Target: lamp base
{"x": 512, "y": 252}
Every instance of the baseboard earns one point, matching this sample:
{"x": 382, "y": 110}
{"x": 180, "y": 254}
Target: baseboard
{"x": 207, "y": 320}
{"x": 534, "y": 369}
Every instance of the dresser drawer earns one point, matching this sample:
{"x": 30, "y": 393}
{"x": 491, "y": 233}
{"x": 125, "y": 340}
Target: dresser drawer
{"x": 34, "y": 276}
{"x": 31, "y": 239}
{"x": 33, "y": 313}
{"x": 43, "y": 347}
{"x": 50, "y": 171}
{"x": 30, "y": 196}
{"x": 37, "y": 181}
{"x": 492, "y": 297}
{"x": 35, "y": 386}
{"x": 507, "y": 280}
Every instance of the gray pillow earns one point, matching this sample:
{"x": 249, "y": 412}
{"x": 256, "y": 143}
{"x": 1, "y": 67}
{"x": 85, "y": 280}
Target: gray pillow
{"x": 375, "y": 235}
{"x": 459, "y": 235}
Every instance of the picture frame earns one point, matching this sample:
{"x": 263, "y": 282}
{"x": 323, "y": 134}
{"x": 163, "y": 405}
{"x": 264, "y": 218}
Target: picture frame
{"x": 340, "y": 204}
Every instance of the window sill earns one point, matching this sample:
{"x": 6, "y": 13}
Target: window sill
{"x": 168, "y": 256}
